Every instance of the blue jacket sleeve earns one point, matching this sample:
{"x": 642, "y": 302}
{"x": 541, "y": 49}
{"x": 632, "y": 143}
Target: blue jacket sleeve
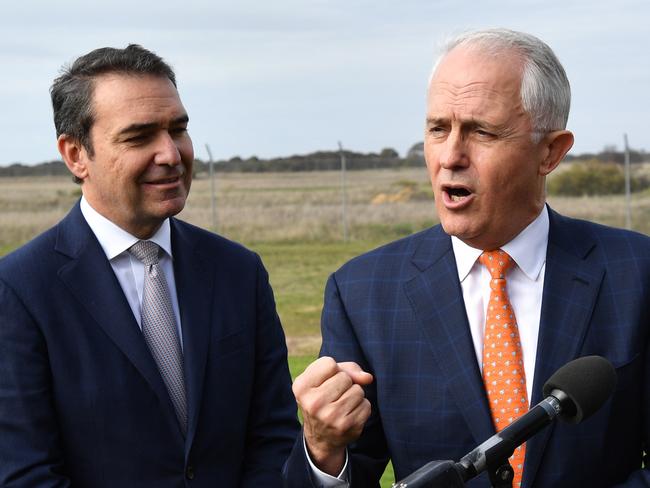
{"x": 272, "y": 425}
{"x": 30, "y": 443}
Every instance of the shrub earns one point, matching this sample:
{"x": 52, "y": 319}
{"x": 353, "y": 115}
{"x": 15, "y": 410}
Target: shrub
{"x": 593, "y": 178}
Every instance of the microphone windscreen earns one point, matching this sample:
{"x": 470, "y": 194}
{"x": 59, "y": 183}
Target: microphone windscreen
{"x": 588, "y": 382}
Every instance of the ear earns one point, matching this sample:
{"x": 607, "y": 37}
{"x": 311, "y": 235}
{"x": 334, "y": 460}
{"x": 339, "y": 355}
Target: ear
{"x": 555, "y": 145}
{"x": 74, "y": 155}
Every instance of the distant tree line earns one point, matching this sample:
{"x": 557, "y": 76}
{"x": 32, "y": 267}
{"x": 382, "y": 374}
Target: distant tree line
{"x": 317, "y": 161}
{"x": 611, "y": 155}
{"x": 50, "y": 168}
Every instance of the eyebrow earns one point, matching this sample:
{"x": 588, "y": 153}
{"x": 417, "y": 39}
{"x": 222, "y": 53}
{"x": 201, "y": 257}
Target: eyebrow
{"x": 147, "y": 126}
{"x": 436, "y": 120}
{"x": 466, "y": 124}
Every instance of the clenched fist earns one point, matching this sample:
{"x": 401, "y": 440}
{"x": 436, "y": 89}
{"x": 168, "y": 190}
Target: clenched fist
{"x": 334, "y": 409}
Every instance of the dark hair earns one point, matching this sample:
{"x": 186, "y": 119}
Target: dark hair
{"x": 72, "y": 91}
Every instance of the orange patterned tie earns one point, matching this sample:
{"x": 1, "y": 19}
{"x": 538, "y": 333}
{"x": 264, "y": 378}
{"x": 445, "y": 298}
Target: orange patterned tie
{"x": 503, "y": 365}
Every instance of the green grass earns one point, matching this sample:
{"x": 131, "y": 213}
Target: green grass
{"x": 297, "y": 365}
{"x": 298, "y": 272}
{"x": 4, "y": 250}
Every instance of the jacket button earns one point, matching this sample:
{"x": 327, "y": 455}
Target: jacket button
{"x": 189, "y": 473}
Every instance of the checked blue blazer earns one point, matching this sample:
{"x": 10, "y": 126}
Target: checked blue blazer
{"x": 398, "y": 312}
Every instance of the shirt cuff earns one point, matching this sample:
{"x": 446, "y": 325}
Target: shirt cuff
{"x": 324, "y": 480}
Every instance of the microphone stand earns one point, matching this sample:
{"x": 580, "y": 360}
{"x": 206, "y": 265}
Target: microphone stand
{"x": 448, "y": 474}
{"x": 435, "y": 474}
{"x": 502, "y": 476}
{"x": 495, "y": 462}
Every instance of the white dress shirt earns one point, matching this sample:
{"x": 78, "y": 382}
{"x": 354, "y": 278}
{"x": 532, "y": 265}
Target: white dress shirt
{"x": 524, "y": 283}
{"x": 128, "y": 269}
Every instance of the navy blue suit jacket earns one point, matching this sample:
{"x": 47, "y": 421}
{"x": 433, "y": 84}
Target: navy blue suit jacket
{"x": 82, "y": 403}
{"x": 398, "y": 311}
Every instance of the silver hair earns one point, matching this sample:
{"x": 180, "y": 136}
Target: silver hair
{"x": 545, "y": 90}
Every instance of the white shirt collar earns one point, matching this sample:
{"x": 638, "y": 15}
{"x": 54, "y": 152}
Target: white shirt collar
{"x": 115, "y": 240}
{"x": 527, "y": 249}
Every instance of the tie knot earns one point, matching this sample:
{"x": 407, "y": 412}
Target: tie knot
{"x": 145, "y": 251}
{"x": 497, "y": 262}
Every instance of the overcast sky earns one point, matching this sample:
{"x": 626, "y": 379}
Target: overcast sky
{"x": 283, "y": 77}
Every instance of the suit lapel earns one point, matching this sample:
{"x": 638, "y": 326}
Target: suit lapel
{"x": 436, "y": 297}
{"x": 90, "y": 278}
{"x": 571, "y": 285}
{"x": 195, "y": 288}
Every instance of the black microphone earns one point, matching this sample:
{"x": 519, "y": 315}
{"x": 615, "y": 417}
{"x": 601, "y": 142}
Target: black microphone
{"x": 574, "y": 392}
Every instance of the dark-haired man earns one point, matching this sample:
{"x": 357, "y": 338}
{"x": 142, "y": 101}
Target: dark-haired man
{"x": 136, "y": 349}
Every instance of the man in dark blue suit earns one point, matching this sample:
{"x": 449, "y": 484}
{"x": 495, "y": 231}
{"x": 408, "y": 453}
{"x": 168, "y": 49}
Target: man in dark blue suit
{"x": 120, "y": 368}
{"x": 405, "y": 356}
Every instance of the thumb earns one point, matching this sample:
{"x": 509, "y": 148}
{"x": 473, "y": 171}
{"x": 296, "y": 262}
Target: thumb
{"x": 358, "y": 375}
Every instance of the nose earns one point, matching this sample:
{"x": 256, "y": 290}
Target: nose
{"x": 454, "y": 153}
{"x": 167, "y": 152}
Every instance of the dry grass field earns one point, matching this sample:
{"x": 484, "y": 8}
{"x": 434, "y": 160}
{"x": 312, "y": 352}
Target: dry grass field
{"x": 250, "y": 207}
{"x": 289, "y": 207}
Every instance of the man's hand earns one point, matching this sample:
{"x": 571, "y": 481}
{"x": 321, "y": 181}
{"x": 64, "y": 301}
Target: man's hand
{"x": 334, "y": 409}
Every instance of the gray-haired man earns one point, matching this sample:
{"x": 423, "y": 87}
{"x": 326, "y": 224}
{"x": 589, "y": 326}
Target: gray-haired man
{"x": 414, "y": 339}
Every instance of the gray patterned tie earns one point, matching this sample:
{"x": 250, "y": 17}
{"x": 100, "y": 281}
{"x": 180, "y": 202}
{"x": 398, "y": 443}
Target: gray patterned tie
{"x": 159, "y": 327}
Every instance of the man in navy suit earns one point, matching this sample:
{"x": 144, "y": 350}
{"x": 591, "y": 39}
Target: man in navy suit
{"x": 85, "y": 399}
{"x": 400, "y": 375}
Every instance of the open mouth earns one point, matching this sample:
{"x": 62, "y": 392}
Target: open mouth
{"x": 457, "y": 194}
